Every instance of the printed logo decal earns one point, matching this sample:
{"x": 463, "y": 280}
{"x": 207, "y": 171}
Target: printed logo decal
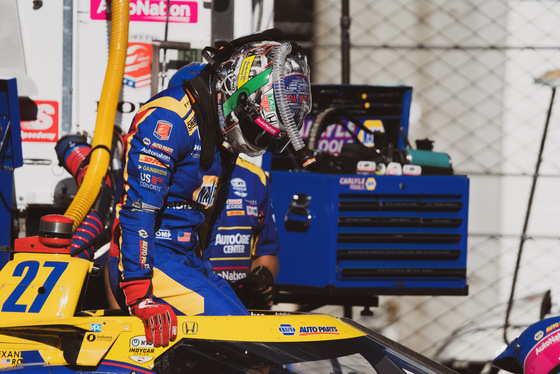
{"x": 95, "y": 327}
{"x": 205, "y": 194}
{"x": 239, "y": 187}
{"x": 140, "y": 349}
{"x": 287, "y": 329}
{"x": 180, "y": 11}
{"x": 318, "y": 330}
{"x": 245, "y": 70}
{"x": 150, "y": 160}
{"x": 252, "y": 211}
{"x": 10, "y": 358}
{"x": 45, "y": 127}
{"x": 163, "y": 130}
{"x": 190, "y": 328}
{"x": 138, "y": 69}
{"x": 163, "y": 234}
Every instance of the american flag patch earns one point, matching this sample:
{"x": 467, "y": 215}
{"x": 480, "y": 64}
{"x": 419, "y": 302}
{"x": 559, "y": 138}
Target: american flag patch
{"x": 184, "y": 236}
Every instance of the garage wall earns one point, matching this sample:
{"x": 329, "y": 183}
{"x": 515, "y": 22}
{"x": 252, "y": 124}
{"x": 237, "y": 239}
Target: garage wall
{"x": 472, "y": 66}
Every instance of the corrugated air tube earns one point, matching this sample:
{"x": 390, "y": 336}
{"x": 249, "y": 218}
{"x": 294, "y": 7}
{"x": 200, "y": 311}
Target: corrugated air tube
{"x": 104, "y": 125}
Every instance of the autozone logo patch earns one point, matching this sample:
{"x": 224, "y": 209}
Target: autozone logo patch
{"x": 163, "y": 130}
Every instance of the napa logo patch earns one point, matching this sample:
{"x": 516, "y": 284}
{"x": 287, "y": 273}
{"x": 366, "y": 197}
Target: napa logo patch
{"x": 287, "y": 329}
{"x": 539, "y": 335}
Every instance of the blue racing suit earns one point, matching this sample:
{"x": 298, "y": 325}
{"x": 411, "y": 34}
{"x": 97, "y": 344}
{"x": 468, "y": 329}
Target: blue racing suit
{"x": 162, "y": 198}
{"x": 246, "y": 227}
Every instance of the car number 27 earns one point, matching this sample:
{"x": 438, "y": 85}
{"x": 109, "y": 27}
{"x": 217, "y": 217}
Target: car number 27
{"x": 33, "y": 268}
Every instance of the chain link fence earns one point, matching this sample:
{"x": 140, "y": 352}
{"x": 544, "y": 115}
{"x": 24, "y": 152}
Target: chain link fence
{"x": 473, "y": 67}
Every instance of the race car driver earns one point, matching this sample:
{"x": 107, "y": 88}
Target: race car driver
{"x": 245, "y": 242}
{"x": 181, "y": 148}
{"x": 245, "y": 246}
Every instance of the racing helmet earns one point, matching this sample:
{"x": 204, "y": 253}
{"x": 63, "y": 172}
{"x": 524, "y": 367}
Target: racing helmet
{"x": 263, "y": 94}
{"x": 185, "y": 73}
{"x": 535, "y": 351}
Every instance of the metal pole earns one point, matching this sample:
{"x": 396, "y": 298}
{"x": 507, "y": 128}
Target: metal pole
{"x": 526, "y": 224}
{"x": 67, "y": 51}
{"x": 345, "y": 41}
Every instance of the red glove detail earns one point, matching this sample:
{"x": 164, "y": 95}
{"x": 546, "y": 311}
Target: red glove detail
{"x": 160, "y": 322}
{"x": 136, "y": 290}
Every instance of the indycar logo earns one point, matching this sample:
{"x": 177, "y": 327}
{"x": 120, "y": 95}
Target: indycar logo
{"x": 190, "y": 328}
{"x": 239, "y": 187}
{"x": 141, "y": 350}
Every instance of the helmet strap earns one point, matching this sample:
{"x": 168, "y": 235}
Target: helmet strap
{"x": 206, "y": 115}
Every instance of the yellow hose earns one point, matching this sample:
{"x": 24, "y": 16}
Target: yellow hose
{"x": 104, "y": 125}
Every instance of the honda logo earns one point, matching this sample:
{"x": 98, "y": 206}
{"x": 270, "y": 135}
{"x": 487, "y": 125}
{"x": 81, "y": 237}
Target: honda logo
{"x": 190, "y": 328}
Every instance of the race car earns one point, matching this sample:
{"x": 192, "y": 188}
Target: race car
{"x": 44, "y": 330}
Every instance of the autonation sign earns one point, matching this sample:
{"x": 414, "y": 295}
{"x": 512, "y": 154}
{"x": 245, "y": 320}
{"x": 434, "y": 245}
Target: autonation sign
{"x": 150, "y": 10}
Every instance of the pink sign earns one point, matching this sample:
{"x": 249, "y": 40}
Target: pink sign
{"x": 45, "y": 127}
{"x": 180, "y": 11}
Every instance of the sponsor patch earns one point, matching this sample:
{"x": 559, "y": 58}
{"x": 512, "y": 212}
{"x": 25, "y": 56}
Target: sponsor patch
{"x": 267, "y": 103}
{"x": 190, "y": 328}
{"x": 143, "y": 233}
{"x": 231, "y": 275}
{"x": 150, "y": 160}
{"x": 245, "y": 70}
{"x": 191, "y": 125}
{"x": 235, "y": 212}
{"x": 318, "y": 330}
{"x": 239, "y": 187}
{"x": 204, "y": 195}
{"x": 95, "y": 327}
{"x": 287, "y": 329}
{"x": 153, "y": 170}
{"x": 161, "y": 147}
{"x": 140, "y": 350}
{"x": 163, "y": 130}
{"x": 163, "y": 234}
{"x": 252, "y": 211}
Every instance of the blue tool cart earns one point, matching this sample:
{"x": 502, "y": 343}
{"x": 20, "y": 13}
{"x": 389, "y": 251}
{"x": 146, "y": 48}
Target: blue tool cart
{"x": 387, "y": 235}
{"x": 10, "y": 157}
{"x": 349, "y": 231}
